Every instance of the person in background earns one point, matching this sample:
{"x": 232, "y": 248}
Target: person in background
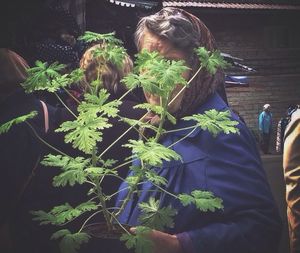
{"x": 281, "y": 126}
{"x": 23, "y": 180}
{"x": 265, "y": 128}
{"x": 291, "y": 166}
{"x": 111, "y": 76}
{"x": 227, "y": 165}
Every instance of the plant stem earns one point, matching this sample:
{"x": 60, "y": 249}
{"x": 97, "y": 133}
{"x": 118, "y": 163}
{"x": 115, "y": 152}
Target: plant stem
{"x": 162, "y": 120}
{"x": 63, "y": 103}
{"x": 184, "y": 137}
{"x": 90, "y": 217}
{"x": 71, "y": 95}
{"x": 165, "y": 191}
{"x": 125, "y": 94}
{"x": 100, "y": 193}
{"x": 184, "y": 87}
{"x": 43, "y": 141}
{"x": 178, "y": 129}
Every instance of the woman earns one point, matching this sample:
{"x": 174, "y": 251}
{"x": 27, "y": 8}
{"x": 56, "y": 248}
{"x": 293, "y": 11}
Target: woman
{"x": 110, "y": 79}
{"x": 228, "y": 165}
{"x": 24, "y": 183}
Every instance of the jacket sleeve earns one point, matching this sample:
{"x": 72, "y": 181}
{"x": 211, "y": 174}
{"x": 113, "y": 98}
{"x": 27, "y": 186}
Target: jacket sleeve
{"x": 249, "y": 222}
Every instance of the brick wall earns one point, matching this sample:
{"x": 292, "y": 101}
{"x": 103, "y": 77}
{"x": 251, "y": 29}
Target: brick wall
{"x": 269, "y": 42}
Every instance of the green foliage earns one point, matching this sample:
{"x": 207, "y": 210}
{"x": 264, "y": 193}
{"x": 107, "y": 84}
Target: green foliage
{"x": 98, "y": 104}
{"x": 72, "y": 169}
{"x": 140, "y": 124}
{"x": 6, "y": 126}
{"x": 59, "y": 215}
{"x": 204, "y": 200}
{"x": 70, "y": 243}
{"x": 111, "y": 53}
{"x": 151, "y": 176}
{"x": 215, "y": 122}
{"x": 157, "y": 75}
{"x": 108, "y": 38}
{"x": 153, "y": 74}
{"x": 155, "y": 217}
{"x": 151, "y": 152}
{"x": 84, "y": 132}
{"x": 211, "y": 61}
{"x": 145, "y": 58}
{"x": 157, "y": 109}
{"x": 139, "y": 240}
{"x": 49, "y": 77}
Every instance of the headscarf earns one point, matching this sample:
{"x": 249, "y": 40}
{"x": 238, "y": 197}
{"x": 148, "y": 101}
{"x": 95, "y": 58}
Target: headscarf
{"x": 186, "y": 32}
{"x": 204, "y": 83}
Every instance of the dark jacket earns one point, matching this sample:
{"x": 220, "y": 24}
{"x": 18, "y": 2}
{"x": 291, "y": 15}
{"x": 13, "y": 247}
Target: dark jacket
{"x": 230, "y": 167}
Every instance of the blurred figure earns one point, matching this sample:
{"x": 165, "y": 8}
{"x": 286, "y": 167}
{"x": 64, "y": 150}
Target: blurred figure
{"x": 110, "y": 79}
{"x": 291, "y": 165}
{"x": 281, "y": 126}
{"x": 265, "y": 128}
{"x": 21, "y": 152}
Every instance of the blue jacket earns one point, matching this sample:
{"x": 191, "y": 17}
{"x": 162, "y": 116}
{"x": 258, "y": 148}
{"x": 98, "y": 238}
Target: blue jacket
{"x": 230, "y": 167}
{"x": 265, "y": 122}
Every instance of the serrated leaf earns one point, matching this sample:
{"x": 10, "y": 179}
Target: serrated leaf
{"x": 203, "y": 200}
{"x": 6, "y": 126}
{"x": 211, "y": 61}
{"x": 154, "y": 178}
{"x": 73, "y": 169}
{"x": 139, "y": 240}
{"x": 70, "y": 243}
{"x": 215, "y": 122}
{"x": 108, "y": 38}
{"x": 84, "y": 132}
{"x": 155, "y": 217}
{"x": 63, "y": 213}
{"x": 46, "y": 77}
{"x": 185, "y": 199}
{"x": 152, "y": 153}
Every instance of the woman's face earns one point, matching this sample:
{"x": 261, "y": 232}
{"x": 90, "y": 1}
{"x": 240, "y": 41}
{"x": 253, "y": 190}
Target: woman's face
{"x": 151, "y": 42}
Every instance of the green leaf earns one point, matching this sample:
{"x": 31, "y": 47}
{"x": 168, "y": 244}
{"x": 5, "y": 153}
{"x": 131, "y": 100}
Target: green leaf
{"x": 211, "y": 61}
{"x": 73, "y": 169}
{"x": 139, "y": 240}
{"x": 70, "y": 243}
{"x": 70, "y": 177}
{"x": 154, "y": 217}
{"x": 83, "y": 133}
{"x": 152, "y": 153}
{"x": 215, "y": 122}
{"x": 6, "y": 126}
{"x": 141, "y": 124}
{"x": 203, "y": 200}
{"x": 96, "y": 172}
{"x": 46, "y": 77}
{"x": 63, "y": 213}
{"x": 111, "y": 53}
{"x": 93, "y": 105}
{"x": 108, "y": 38}
{"x": 144, "y": 58}
{"x": 154, "y": 178}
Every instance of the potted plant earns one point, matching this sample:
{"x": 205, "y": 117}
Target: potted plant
{"x": 153, "y": 74}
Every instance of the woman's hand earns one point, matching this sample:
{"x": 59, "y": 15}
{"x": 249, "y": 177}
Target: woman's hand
{"x": 163, "y": 242}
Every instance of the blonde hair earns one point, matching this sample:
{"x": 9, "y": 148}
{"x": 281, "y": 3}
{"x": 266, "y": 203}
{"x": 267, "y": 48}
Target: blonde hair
{"x": 110, "y": 74}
